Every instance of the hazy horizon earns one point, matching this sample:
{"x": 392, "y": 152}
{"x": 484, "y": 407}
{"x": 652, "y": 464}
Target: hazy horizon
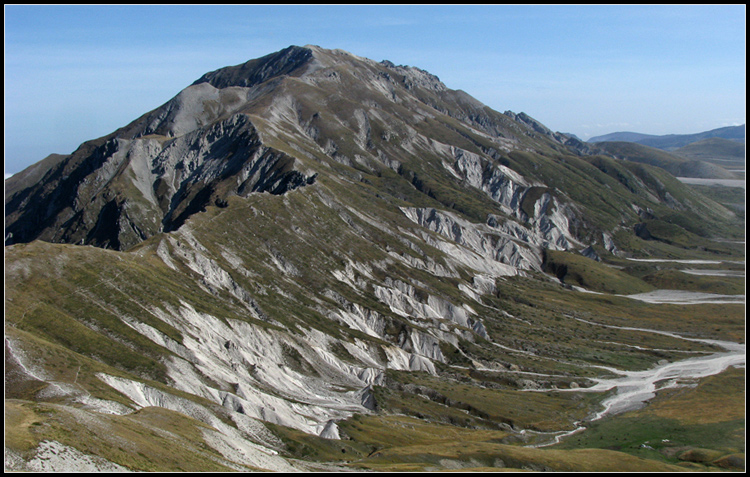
{"x": 74, "y": 73}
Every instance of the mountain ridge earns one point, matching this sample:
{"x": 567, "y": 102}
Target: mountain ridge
{"x": 674, "y": 163}
{"x": 199, "y": 105}
{"x": 670, "y": 142}
{"x": 201, "y": 112}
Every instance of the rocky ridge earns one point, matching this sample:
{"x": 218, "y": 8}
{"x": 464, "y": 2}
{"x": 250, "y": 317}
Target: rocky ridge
{"x": 215, "y": 138}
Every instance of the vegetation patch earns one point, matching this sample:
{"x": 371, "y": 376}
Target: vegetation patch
{"x": 696, "y": 424}
{"x": 309, "y": 447}
{"x": 574, "y": 269}
{"x": 679, "y": 280}
{"x": 486, "y": 455}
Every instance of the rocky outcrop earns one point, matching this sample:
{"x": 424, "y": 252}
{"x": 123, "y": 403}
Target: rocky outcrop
{"x": 501, "y": 183}
{"x": 126, "y": 190}
{"x": 507, "y": 245}
{"x": 284, "y": 62}
{"x": 530, "y": 203}
{"x": 536, "y": 126}
{"x": 478, "y": 243}
{"x": 412, "y": 77}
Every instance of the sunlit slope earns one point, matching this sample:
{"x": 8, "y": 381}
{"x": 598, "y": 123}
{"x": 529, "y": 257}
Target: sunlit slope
{"x": 355, "y": 309}
{"x": 305, "y": 113}
{"x": 313, "y": 259}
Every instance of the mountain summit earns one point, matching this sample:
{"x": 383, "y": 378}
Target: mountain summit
{"x": 307, "y": 259}
{"x": 272, "y": 125}
{"x": 254, "y": 72}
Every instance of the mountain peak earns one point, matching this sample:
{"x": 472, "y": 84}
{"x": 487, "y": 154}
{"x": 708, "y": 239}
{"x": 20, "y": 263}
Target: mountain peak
{"x": 288, "y": 61}
{"x": 297, "y": 60}
{"x": 274, "y": 124}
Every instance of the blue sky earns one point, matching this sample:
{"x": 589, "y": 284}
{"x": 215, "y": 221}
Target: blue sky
{"x": 74, "y": 73}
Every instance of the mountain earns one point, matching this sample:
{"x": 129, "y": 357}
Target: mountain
{"x": 712, "y": 154}
{"x": 259, "y": 127}
{"x": 724, "y": 152}
{"x": 624, "y": 136}
{"x": 677, "y": 164}
{"x": 316, "y": 261}
{"x": 671, "y": 142}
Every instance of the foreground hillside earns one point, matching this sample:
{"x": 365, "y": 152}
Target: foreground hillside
{"x": 259, "y": 355}
{"x": 313, "y": 261}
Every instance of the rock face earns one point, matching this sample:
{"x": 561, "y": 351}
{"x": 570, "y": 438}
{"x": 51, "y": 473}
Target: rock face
{"x": 220, "y": 137}
{"x": 126, "y": 189}
{"x": 280, "y": 236}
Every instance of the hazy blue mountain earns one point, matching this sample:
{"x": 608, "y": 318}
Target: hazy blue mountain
{"x": 673, "y": 141}
{"x": 727, "y": 153}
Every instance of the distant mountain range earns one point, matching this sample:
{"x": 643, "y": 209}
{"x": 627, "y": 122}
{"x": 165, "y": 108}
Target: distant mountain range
{"x": 673, "y": 162}
{"x": 670, "y": 142}
{"x": 719, "y": 153}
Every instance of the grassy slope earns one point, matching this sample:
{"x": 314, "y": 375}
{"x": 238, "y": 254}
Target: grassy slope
{"x": 149, "y": 440}
{"x": 483, "y": 456}
{"x": 723, "y": 151}
{"x": 643, "y": 154}
{"x": 574, "y": 269}
{"x": 55, "y": 277}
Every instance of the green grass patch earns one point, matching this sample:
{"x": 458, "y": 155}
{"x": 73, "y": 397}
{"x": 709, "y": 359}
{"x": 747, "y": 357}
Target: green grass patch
{"x": 574, "y": 269}
{"x": 678, "y": 280}
{"x": 309, "y": 447}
